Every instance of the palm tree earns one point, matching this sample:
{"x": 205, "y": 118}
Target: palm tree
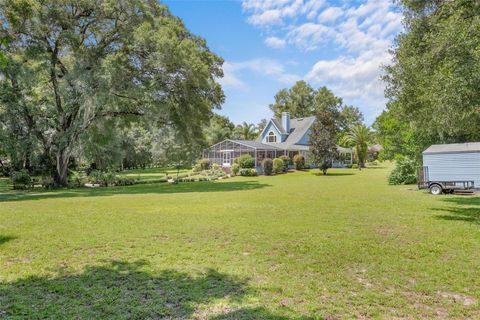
{"x": 246, "y": 131}
{"x": 359, "y": 137}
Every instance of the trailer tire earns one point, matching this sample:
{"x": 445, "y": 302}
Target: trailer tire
{"x": 435, "y": 189}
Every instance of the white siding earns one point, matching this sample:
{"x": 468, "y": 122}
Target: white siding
{"x": 453, "y": 166}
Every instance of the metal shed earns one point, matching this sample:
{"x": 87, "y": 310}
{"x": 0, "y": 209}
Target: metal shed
{"x": 452, "y": 162}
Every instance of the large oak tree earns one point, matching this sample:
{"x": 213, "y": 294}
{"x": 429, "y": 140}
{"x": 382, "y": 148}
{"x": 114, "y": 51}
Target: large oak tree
{"x": 72, "y": 63}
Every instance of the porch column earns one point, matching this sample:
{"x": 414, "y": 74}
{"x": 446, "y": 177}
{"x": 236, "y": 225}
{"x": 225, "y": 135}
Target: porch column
{"x": 255, "y": 158}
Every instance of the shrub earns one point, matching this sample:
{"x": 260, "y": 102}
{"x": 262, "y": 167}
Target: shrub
{"x": 248, "y": 172}
{"x": 267, "y": 165}
{"x": 48, "y": 182}
{"x": 109, "y": 178}
{"x": 197, "y": 168}
{"x": 245, "y": 161}
{"x": 78, "y": 179}
{"x": 235, "y": 168}
{"x": 216, "y": 167}
{"x": 96, "y": 177}
{"x": 21, "y": 179}
{"x": 124, "y": 181}
{"x": 286, "y": 162}
{"x": 404, "y": 172}
{"x": 204, "y": 164}
{"x": 299, "y": 162}
{"x": 278, "y": 165}
{"x": 354, "y": 166}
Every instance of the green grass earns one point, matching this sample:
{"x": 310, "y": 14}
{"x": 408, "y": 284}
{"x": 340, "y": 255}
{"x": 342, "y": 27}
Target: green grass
{"x": 293, "y": 246}
{"x": 152, "y": 173}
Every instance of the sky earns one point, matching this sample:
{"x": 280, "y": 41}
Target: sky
{"x": 268, "y": 45}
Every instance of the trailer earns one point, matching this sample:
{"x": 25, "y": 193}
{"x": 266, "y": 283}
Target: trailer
{"x": 449, "y": 168}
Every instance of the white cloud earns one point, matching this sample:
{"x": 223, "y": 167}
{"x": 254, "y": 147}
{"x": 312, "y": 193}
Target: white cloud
{"x": 309, "y": 35}
{"x": 359, "y": 34}
{"x": 266, "y": 13}
{"x": 275, "y": 42}
{"x": 353, "y": 78}
{"x": 330, "y": 14}
{"x": 264, "y": 67}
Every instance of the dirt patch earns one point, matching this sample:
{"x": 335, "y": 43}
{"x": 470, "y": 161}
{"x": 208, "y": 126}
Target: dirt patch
{"x": 458, "y": 298}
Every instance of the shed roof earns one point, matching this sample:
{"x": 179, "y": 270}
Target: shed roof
{"x": 453, "y": 148}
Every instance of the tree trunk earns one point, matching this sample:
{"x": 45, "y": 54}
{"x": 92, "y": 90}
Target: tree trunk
{"x": 61, "y": 177}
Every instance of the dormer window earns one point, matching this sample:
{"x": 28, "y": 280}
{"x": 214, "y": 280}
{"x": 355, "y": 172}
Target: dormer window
{"x": 271, "y": 137}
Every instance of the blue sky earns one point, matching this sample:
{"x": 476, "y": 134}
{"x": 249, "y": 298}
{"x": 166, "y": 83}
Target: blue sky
{"x": 267, "y": 45}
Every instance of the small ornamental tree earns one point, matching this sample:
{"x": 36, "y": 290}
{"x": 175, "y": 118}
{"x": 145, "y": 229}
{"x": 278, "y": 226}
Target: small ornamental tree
{"x": 324, "y": 132}
{"x": 278, "y": 165}
{"x": 299, "y": 162}
{"x": 267, "y": 165}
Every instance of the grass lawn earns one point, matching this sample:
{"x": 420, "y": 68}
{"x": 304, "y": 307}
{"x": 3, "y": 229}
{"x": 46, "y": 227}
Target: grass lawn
{"x": 152, "y": 173}
{"x": 294, "y": 246}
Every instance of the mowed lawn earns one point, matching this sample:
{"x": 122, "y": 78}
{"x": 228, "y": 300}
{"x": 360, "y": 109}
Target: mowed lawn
{"x": 293, "y": 246}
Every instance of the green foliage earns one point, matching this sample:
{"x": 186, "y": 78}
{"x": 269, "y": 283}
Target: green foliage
{"x": 78, "y": 179}
{"x": 299, "y": 162}
{"x": 325, "y": 130}
{"x": 245, "y": 161}
{"x": 220, "y": 128}
{"x": 405, "y": 172}
{"x": 73, "y": 66}
{"x": 298, "y": 100}
{"x": 125, "y": 181}
{"x": 235, "y": 168}
{"x": 48, "y": 182}
{"x": 303, "y": 101}
{"x": 204, "y": 164}
{"x": 286, "y": 162}
{"x": 359, "y": 137}
{"x": 432, "y": 85}
{"x": 354, "y": 166}
{"x": 324, "y": 166}
{"x": 246, "y": 131}
{"x": 267, "y": 166}
{"x": 278, "y": 165}
{"x": 395, "y": 135}
{"x": 21, "y": 180}
{"x": 350, "y": 117}
{"x": 248, "y": 172}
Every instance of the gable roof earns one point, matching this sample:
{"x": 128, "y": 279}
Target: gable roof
{"x": 298, "y": 128}
{"x": 453, "y": 148}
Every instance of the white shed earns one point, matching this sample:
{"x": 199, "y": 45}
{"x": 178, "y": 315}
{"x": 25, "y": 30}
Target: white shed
{"x": 452, "y": 162}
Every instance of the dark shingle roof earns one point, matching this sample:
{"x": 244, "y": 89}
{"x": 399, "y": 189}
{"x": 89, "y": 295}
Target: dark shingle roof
{"x": 256, "y": 145}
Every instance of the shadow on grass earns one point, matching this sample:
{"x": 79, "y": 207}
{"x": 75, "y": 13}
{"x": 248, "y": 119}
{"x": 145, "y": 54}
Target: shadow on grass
{"x": 116, "y": 290}
{"x": 467, "y": 208}
{"x": 159, "y": 188}
{"x": 5, "y": 239}
{"x": 333, "y": 174}
{"x": 255, "y": 313}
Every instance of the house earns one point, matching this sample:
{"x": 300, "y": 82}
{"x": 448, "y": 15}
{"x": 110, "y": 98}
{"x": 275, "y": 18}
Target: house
{"x": 452, "y": 162}
{"x": 280, "y": 137}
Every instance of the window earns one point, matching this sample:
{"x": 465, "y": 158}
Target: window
{"x": 271, "y": 137}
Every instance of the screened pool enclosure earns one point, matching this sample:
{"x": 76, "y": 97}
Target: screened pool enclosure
{"x": 223, "y": 153}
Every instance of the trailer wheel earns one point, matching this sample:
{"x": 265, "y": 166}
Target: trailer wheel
{"x": 436, "y": 189}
